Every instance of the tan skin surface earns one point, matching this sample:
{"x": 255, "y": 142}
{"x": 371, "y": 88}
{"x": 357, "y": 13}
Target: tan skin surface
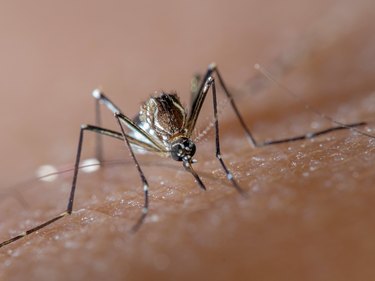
{"x": 309, "y": 212}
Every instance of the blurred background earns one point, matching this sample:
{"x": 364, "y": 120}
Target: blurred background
{"x": 53, "y": 54}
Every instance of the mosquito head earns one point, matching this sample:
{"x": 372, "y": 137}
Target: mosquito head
{"x": 182, "y": 149}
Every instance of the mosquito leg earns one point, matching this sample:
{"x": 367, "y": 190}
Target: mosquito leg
{"x": 84, "y": 128}
{"x": 119, "y": 118}
{"x": 210, "y": 82}
{"x": 196, "y": 106}
{"x": 195, "y": 82}
{"x": 98, "y": 122}
{"x": 34, "y": 229}
{"x": 69, "y": 208}
{"x": 101, "y": 98}
{"x": 200, "y": 97}
{"x": 97, "y": 94}
{"x": 213, "y": 69}
{"x": 126, "y": 120}
{"x": 313, "y": 134}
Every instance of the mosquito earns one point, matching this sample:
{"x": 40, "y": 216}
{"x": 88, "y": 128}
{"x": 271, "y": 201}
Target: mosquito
{"x": 164, "y": 127}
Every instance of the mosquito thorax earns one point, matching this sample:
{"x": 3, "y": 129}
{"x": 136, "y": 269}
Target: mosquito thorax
{"x": 182, "y": 149}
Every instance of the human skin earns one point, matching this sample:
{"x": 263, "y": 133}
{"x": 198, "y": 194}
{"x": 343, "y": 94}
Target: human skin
{"x": 308, "y": 214}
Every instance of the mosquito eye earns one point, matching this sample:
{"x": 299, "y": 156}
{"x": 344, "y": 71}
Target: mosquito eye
{"x": 182, "y": 148}
{"x": 177, "y": 152}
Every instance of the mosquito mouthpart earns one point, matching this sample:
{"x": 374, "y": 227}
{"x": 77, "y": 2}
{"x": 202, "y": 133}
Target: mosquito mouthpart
{"x": 189, "y": 168}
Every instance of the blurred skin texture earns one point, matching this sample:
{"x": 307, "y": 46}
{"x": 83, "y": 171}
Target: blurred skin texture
{"x": 309, "y": 213}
